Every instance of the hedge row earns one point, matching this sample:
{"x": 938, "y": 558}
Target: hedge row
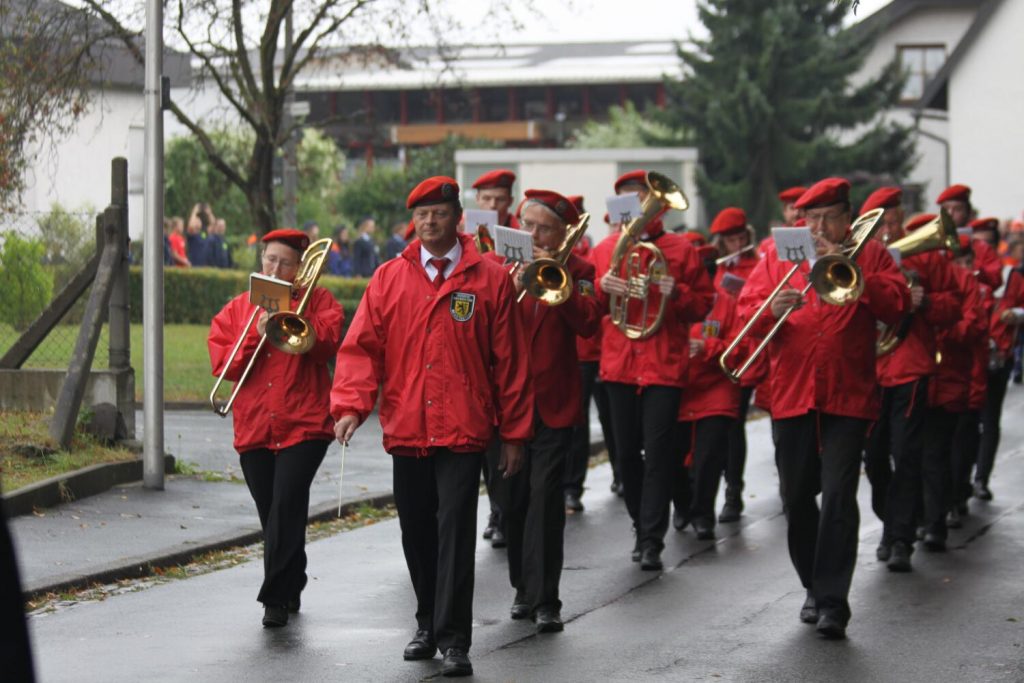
{"x": 195, "y": 295}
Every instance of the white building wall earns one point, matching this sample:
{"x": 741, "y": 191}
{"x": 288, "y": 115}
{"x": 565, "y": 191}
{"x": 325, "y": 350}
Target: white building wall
{"x": 986, "y": 112}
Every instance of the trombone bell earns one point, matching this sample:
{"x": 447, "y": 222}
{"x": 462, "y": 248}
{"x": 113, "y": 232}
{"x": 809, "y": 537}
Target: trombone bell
{"x": 290, "y": 333}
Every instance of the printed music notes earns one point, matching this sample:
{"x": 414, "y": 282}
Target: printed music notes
{"x": 623, "y": 208}
{"x": 794, "y": 244}
{"x": 514, "y": 245}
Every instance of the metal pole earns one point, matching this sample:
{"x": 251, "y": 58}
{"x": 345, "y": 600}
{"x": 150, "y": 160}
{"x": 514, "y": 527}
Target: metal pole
{"x": 153, "y": 256}
{"x": 289, "y": 168}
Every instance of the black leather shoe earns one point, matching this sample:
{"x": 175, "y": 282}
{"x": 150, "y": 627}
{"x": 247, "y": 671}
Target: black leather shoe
{"x": 498, "y": 539}
{"x": 520, "y": 610}
{"x": 650, "y": 559}
{"x": 809, "y": 612}
{"x": 422, "y": 646}
{"x": 615, "y": 486}
{"x": 981, "y": 491}
{"x": 549, "y": 620}
{"x": 294, "y": 605}
{"x": 679, "y": 520}
{"x": 884, "y": 551}
{"x": 934, "y": 543}
{"x": 620, "y": 490}
{"x": 573, "y": 502}
{"x": 456, "y": 663}
{"x": 705, "y": 531}
{"x": 274, "y": 616}
{"x": 830, "y": 627}
{"x": 899, "y": 558}
{"x": 492, "y": 524}
{"x": 636, "y": 551}
{"x": 954, "y": 520}
{"x": 731, "y": 512}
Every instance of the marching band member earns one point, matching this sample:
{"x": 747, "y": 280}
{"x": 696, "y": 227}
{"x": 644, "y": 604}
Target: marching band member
{"x": 644, "y": 377}
{"x": 1005, "y": 324}
{"x": 949, "y": 392}
{"x": 788, "y": 198}
{"x": 956, "y": 200}
{"x": 822, "y": 410}
{"x": 707, "y": 411}
{"x": 732, "y": 234}
{"x": 281, "y": 419}
{"x": 532, "y": 499}
{"x": 903, "y": 374}
{"x": 438, "y": 333}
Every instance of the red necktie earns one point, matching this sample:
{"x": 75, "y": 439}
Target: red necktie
{"x": 440, "y": 264}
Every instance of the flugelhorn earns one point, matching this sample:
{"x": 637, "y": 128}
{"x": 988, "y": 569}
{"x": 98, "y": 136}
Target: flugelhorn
{"x": 547, "y": 279}
{"x": 662, "y": 194}
{"x": 288, "y": 331}
{"x": 836, "y": 278}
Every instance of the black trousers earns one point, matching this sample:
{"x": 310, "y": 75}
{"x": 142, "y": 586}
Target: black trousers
{"x": 736, "y": 459}
{"x": 647, "y": 416}
{"x": 279, "y": 485}
{"x": 436, "y": 498}
{"x": 695, "y": 488}
{"x": 892, "y": 459}
{"x": 967, "y": 439}
{"x": 15, "y": 652}
{"x": 492, "y": 479}
{"x": 820, "y": 453}
{"x": 937, "y": 469}
{"x": 990, "y": 417}
{"x": 579, "y": 451}
{"x": 535, "y": 517}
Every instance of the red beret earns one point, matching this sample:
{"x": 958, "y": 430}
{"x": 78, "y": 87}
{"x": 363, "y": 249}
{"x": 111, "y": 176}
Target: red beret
{"x": 577, "y": 201}
{"x": 694, "y": 238}
{"x": 436, "y": 190}
{"x": 882, "y": 198}
{"x": 955, "y": 193}
{"x": 296, "y": 239}
{"x": 498, "y": 178}
{"x": 792, "y": 194}
{"x": 706, "y": 251}
{"x": 917, "y": 221}
{"x": 565, "y": 209}
{"x": 728, "y": 219}
{"x": 825, "y": 193}
{"x": 638, "y": 176}
{"x": 410, "y": 231}
{"x": 800, "y": 223}
{"x": 985, "y": 224}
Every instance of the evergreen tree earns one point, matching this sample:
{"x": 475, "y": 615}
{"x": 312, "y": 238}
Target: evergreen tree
{"x": 768, "y": 101}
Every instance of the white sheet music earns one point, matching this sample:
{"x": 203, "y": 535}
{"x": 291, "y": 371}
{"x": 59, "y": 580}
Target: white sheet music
{"x": 623, "y": 208}
{"x": 514, "y": 245}
{"x": 794, "y": 244}
{"x": 477, "y": 217}
{"x": 897, "y": 256}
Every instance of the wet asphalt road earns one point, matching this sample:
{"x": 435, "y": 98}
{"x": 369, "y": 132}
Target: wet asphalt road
{"x": 723, "y": 610}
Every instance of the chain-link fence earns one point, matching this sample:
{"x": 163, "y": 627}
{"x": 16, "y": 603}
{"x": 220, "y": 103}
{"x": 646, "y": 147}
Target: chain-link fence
{"x": 40, "y": 252}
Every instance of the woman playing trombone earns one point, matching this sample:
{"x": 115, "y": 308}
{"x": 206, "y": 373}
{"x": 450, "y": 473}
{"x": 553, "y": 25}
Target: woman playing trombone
{"x": 282, "y": 418}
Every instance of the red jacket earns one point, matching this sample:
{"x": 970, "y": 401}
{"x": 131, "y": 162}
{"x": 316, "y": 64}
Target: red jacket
{"x": 450, "y": 363}
{"x": 988, "y": 264}
{"x": 950, "y": 387}
{"x": 914, "y": 357}
{"x": 588, "y": 349}
{"x": 708, "y": 391}
{"x": 661, "y": 359}
{"x": 741, "y": 267}
{"x": 1013, "y": 297}
{"x": 284, "y": 401}
{"x": 982, "y": 354}
{"x": 552, "y": 332}
{"x": 823, "y": 357}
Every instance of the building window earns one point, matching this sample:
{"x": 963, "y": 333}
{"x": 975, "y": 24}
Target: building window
{"x": 920, "y": 63}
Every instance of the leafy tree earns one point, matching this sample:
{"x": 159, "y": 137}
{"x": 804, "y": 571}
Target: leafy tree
{"x": 25, "y": 285}
{"x": 768, "y": 100}
{"x": 626, "y": 127}
{"x": 69, "y": 241}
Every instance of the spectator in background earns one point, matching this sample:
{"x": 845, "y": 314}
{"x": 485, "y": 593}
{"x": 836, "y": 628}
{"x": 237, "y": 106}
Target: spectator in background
{"x": 396, "y": 243}
{"x": 312, "y": 229}
{"x": 220, "y": 252}
{"x": 365, "y": 253}
{"x": 176, "y": 241}
{"x": 199, "y": 222}
{"x": 339, "y": 260}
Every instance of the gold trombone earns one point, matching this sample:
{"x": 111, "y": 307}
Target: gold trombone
{"x": 662, "y": 194}
{"x": 288, "y": 331}
{"x": 547, "y": 279}
{"x": 836, "y": 278}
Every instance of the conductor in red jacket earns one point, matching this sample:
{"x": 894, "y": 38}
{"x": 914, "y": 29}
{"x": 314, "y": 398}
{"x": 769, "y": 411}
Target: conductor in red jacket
{"x": 823, "y": 399}
{"x": 282, "y": 420}
{"x": 534, "y": 507}
{"x": 439, "y": 335}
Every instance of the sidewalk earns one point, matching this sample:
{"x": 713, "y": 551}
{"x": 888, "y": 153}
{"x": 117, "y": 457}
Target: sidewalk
{"x": 120, "y": 532}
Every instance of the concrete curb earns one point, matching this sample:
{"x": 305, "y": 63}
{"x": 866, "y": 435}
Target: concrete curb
{"x": 76, "y": 485}
{"x": 143, "y": 565}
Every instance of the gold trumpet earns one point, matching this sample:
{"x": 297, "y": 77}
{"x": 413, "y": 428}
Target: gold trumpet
{"x": 483, "y": 240}
{"x": 662, "y": 194}
{"x": 836, "y": 278}
{"x": 288, "y": 331}
{"x": 939, "y": 233}
{"x": 547, "y": 279}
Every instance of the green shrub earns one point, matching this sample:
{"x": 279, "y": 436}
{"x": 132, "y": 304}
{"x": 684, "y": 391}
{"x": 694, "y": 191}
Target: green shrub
{"x": 25, "y": 284}
{"x": 195, "y": 295}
